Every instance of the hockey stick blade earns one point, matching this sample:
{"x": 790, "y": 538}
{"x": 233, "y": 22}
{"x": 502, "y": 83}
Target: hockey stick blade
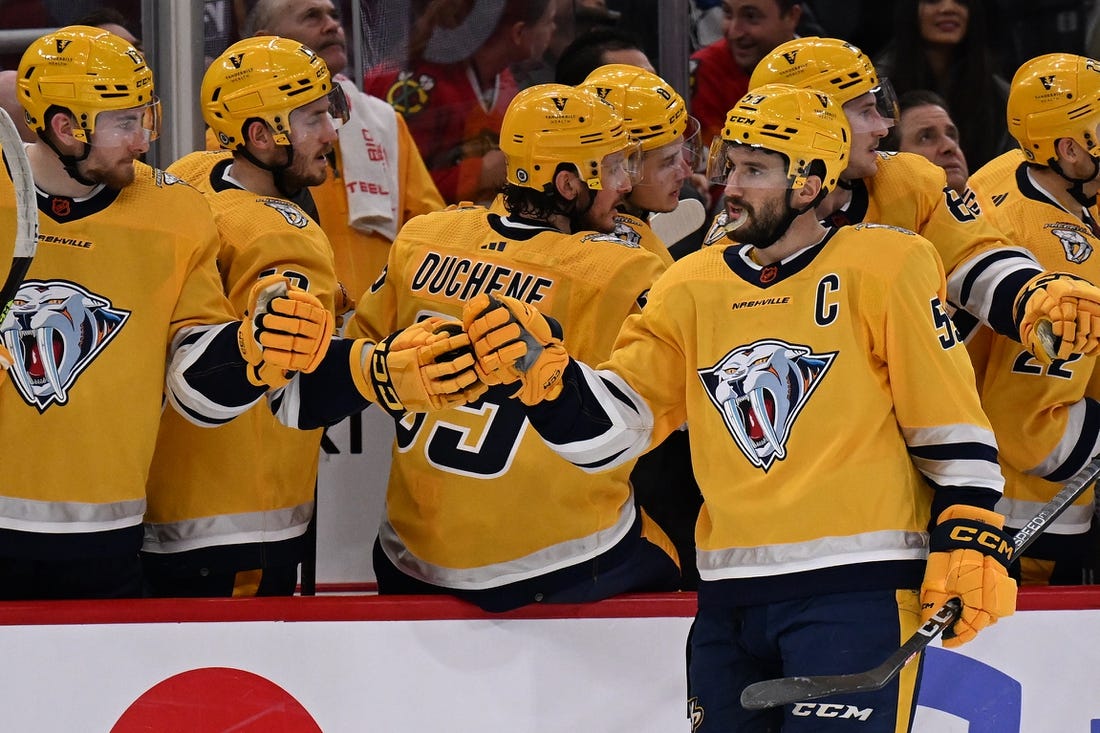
{"x": 787, "y": 690}
{"x": 26, "y": 206}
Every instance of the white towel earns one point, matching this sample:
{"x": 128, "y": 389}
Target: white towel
{"x": 368, "y": 159}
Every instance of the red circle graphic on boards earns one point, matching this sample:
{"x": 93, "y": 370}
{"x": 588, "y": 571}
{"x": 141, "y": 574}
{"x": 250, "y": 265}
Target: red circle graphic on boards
{"x": 214, "y": 700}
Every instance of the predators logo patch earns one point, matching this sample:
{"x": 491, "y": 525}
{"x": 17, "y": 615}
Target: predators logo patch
{"x": 760, "y": 389}
{"x": 54, "y": 331}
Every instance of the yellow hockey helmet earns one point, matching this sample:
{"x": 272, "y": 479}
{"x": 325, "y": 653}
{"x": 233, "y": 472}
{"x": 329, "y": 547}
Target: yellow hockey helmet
{"x": 803, "y": 125}
{"x": 654, "y": 113}
{"x": 266, "y": 78}
{"x": 1054, "y": 96}
{"x": 86, "y": 71}
{"x": 549, "y": 124}
{"x": 827, "y": 65}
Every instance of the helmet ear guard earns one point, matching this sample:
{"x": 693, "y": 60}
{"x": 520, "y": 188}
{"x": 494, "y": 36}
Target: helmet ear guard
{"x": 808, "y": 128}
{"x": 1055, "y": 96}
{"x": 86, "y": 71}
{"x": 266, "y": 78}
{"x": 550, "y": 124}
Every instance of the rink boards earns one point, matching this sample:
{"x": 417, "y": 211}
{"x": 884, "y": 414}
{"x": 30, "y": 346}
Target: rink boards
{"x": 357, "y": 664}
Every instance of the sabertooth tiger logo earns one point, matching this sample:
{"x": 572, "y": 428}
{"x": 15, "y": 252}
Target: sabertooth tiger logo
{"x": 294, "y": 216}
{"x": 54, "y": 331}
{"x": 759, "y": 389}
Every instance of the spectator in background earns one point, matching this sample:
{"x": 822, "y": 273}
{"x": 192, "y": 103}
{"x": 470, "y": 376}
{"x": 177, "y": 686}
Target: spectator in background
{"x": 926, "y": 128}
{"x": 114, "y": 21}
{"x": 720, "y": 72}
{"x": 595, "y": 48}
{"x": 11, "y": 105}
{"x": 379, "y": 181}
{"x": 941, "y": 45}
{"x": 454, "y": 99}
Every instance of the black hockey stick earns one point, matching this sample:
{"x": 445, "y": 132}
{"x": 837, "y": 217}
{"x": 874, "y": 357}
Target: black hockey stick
{"x": 26, "y": 209}
{"x": 787, "y": 690}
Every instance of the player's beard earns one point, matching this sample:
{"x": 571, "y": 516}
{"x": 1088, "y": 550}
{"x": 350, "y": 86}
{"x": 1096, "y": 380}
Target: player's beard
{"x": 116, "y": 176}
{"x": 761, "y": 227}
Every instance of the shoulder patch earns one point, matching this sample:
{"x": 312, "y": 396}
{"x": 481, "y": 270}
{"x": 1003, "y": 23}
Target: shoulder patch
{"x": 293, "y": 215}
{"x": 612, "y": 238}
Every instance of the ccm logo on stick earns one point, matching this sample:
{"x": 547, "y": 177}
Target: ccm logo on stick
{"x": 830, "y": 710}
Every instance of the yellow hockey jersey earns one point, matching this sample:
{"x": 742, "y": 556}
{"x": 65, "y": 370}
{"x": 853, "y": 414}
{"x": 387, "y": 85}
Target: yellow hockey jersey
{"x": 461, "y": 477}
{"x": 251, "y": 480}
{"x": 122, "y": 283}
{"x": 633, "y": 229}
{"x": 825, "y": 393}
{"x": 984, "y": 271}
{"x": 1047, "y": 418}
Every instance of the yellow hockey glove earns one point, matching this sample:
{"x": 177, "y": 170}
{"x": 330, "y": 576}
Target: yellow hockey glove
{"x": 1058, "y": 315}
{"x": 969, "y": 555}
{"x": 427, "y": 366}
{"x": 514, "y": 342}
{"x": 285, "y": 329}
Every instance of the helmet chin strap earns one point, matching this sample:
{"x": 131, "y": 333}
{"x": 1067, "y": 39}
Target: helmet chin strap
{"x": 573, "y": 211}
{"x": 1077, "y": 187}
{"x": 70, "y": 161}
{"x": 278, "y": 172}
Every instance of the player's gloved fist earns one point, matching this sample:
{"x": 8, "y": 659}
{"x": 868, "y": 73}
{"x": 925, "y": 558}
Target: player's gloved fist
{"x": 969, "y": 555}
{"x": 514, "y": 342}
{"x": 285, "y": 329}
{"x": 1065, "y": 304}
{"x": 427, "y": 366}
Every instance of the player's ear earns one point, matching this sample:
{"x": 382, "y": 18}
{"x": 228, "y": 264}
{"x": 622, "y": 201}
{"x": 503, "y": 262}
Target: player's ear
{"x": 60, "y": 125}
{"x": 806, "y": 195}
{"x": 257, "y": 133}
{"x": 567, "y": 183}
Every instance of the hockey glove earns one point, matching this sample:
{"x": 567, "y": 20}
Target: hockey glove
{"x": 285, "y": 329}
{"x": 514, "y": 342}
{"x": 969, "y": 555}
{"x": 1066, "y": 305}
{"x": 427, "y": 366}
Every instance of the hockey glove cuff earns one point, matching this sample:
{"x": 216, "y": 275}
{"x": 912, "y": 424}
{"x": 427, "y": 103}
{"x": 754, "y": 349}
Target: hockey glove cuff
{"x": 969, "y": 555}
{"x": 427, "y": 366}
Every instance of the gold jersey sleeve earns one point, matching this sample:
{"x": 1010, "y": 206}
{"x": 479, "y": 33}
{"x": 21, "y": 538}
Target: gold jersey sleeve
{"x": 1046, "y": 418}
{"x": 460, "y": 477}
{"x": 118, "y": 280}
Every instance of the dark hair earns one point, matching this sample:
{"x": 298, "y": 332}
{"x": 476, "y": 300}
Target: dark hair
{"x": 971, "y": 89}
{"x": 910, "y": 100}
{"x": 101, "y": 16}
{"x": 585, "y": 54}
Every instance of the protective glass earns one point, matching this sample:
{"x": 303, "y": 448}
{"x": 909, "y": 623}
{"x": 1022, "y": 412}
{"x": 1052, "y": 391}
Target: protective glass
{"x": 310, "y": 119}
{"x": 694, "y": 151}
{"x": 877, "y": 112}
{"x": 117, "y": 127}
{"x": 721, "y": 170}
{"x": 619, "y": 170}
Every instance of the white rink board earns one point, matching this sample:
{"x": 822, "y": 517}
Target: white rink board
{"x": 614, "y": 675}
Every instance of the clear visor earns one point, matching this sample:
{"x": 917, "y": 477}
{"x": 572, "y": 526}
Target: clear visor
{"x": 874, "y": 111}
{"x": 695, "y": 153}
{"x": 319, "y": 116}
{"x": 119, "y": 127}
{"x": 760, "y": 172}
{"x": 620, "y": 170}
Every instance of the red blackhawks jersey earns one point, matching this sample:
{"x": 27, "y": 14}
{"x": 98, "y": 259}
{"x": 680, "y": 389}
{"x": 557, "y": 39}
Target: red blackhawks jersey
{"x": 1047, "y": 418}
{"x": 461, "y": 477}
{"x": 827, "y": 395}
{"x": 251, "y": 480}
{"x": 124, "y": 288}
{"x": 453, "y": 122}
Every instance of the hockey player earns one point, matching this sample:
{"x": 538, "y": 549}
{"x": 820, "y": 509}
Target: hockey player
{"x": 378, "y": 180}
{"x": 229, "y": 507}
{"x": 123, "y": 290}
{"x": 993, "y": 280}
{"x": 1043, "y": 197}
{"x": 801, "y": 358}
{"x": 655, "y": 116}
{"x": 477, "y": 506}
